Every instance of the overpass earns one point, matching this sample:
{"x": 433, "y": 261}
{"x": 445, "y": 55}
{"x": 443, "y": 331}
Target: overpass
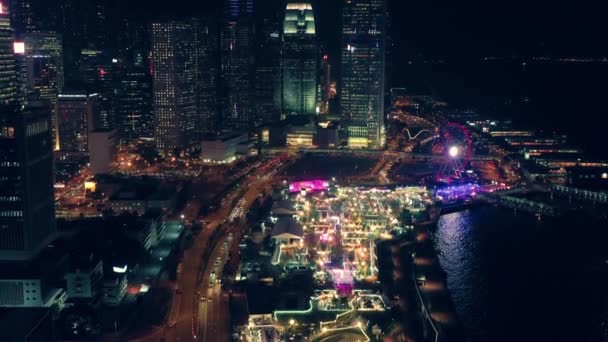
{"x": 371, "y": 153}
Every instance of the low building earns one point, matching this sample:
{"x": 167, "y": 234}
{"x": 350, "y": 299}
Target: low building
{"x": 140, "y": 198}
{"x": 114, "y": 289}
{"x": 287, "y": 229}
{"x": 29, "y": 293}
{"x": 283, "y": 208}
{"x": 301, "y": 136}
{"x": 327, "y": 134}
{"x": 102, "y": 150}
{"x": 83, "y": 280}
{"x": 35, "y": 283}
{"x": 222, "y": 149}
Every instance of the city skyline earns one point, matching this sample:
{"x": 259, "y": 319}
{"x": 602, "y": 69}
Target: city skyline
{"x": 277, "y": 170}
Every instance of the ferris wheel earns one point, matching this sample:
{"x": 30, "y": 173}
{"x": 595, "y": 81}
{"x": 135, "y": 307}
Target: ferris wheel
{"x": 453, "y": 143}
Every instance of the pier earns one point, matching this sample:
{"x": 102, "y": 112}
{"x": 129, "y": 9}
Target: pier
{"x": 585, "y": 195}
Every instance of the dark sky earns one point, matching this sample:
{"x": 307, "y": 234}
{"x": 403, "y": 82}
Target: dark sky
{"x": 462, "y": 28}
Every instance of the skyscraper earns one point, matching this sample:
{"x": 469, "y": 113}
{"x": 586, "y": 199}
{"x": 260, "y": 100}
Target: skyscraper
{"x": 134, "y": 112}
{"x": 267, "y": 77}
{"x": 22, "y": 16}
{"x": 363, "y": 72}
{"x": 237, "y": 63}
{"x": 44, "y": 61}
{"x": 84, "y": 27}
{"x": 133, "y": 105}
{"x": 174, "y": 75}
{"x": 206, "y": 40}
{"x": 77, "y": 115}
{"x": 300, "y": 60}
{"x": 27, "y": 206}
{"x": 8, "y": 76}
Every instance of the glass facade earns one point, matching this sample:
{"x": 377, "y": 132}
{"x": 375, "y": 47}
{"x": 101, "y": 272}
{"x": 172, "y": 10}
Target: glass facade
{"x": 237, "y": 63}
{"x": 363, "y": 72}
{"x": 8, "y": 76}
{"x": 300, "y": 60}
{"x": 27, "y": 208}
{"x": 174, "y": 76}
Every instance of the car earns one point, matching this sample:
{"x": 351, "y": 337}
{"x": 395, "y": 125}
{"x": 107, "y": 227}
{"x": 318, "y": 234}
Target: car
{"x": 203, "y": 299}
{"x": 211, "y": 283}
{"x": 178, "y": 291}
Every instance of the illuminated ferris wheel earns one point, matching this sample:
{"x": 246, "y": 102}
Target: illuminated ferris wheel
{"x": 453, "y": 143}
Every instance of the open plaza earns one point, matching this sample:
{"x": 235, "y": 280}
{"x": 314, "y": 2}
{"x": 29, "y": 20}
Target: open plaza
{"x": 318, "y": 247}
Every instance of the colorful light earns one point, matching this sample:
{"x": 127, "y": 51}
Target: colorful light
{"x": 312, "y": 185}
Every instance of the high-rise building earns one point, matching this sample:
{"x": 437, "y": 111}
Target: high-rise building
{"x": 44, "y": 63}
{"x": 206, "y": 40}
{"x": 27, "y": 206}
{"x": 267, "y": 82}
{"x": 22, "y": 16}
{"x": 174, "y": 75}
{"x": 237, "y": 63}
{"x": 300, "y": 60}
{"x": 134, "y": 111}
{"x": 77, "y": 115}
{"x": 8, "y": 75}
{"x": 44, "y": 56}
{"x": 134, "y": 116}
{"x": 84, "y": 28}
{"x": 33, "y": 16}
{"x": 325, "y": 85}
{"x": 363, "y": 72}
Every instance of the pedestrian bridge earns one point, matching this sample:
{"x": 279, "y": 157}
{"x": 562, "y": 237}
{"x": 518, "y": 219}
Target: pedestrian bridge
{"x": 597, "y": 197}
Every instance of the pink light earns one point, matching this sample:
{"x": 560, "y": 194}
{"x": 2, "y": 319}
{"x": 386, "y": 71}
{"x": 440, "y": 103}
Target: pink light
{"x": 311, "y": 185}
{"x": 1, "y": 8}
{"x": 19, "y": 48}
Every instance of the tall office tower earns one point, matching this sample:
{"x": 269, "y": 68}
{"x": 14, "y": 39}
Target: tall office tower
{"x": 8, "y": 75}
{"x": 363, "y": 72}
{"x": 33, "y": 16}
{"x": 267, "y": 83}
{"x": 27, "y": 206}
{"x": 300, "y": 60}
{"x": 83, "y": 25}
{"x": 133, "y": 102}
{"x": 134, "y": 43}
{"x": 325, "y": 85}
{"x": 206, "y": 33}
{"x": 77, "y": 115}
{"x": 174, "y": 83}
{"x": 134, "y": 112}
{"x": 21, "y": 71}
{"x": 44, "y": 61}
{"x": 237, "y": 59}
{"x": 22, "y": 16}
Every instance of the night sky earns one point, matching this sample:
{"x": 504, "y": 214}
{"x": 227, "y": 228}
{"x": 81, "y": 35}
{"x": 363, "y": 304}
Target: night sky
{"x": 454, "y": 29}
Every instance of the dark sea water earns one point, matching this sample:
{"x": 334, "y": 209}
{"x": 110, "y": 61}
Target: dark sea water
{"x": 515, "y": 278}
{"x": 569, "y": 98}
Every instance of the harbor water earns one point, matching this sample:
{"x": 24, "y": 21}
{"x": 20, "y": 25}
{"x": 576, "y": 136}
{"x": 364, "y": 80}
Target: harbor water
{"x": 514, "y": 277}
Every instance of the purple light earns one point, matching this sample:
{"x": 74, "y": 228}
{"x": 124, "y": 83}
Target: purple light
{"x": 458, "y": 191}
{"x": 311, "y": 185}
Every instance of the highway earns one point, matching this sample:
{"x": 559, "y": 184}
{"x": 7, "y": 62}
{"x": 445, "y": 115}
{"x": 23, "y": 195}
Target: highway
{"x": 190, "y": 317}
